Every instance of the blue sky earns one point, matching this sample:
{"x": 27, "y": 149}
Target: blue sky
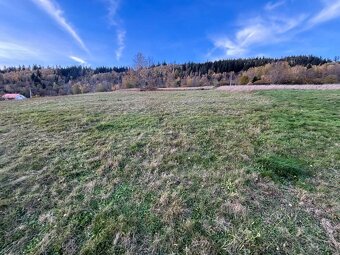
{"x": 111, "y": 32}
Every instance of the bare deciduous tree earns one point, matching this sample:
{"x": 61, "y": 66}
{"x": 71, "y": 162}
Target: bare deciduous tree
{"x": 140, "y": 61}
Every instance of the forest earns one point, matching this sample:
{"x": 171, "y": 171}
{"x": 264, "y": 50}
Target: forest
{"x": 53, "y": 81}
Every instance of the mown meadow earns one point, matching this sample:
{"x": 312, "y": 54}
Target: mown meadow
{"x": 193, "y": 172}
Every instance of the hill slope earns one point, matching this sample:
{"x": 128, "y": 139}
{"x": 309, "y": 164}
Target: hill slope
{"x": 160, "y": 173}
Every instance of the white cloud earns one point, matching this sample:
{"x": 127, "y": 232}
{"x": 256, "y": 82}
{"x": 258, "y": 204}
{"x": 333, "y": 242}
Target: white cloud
{"x": 259, "y": 31}
{"x": 230, "y": 47}
{"x": 78, "y": 60}
{"x": 121, "y": 43}
{"x": 113, "y": 6}
{"x": 11, "y": 50}
{"x": 330, "y": 11}
{"x": 51, "y": 8}
{"x": 270, "y": 6}
{"x": 269, "y": 29}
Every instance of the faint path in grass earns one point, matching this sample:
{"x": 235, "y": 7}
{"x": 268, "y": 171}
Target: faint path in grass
{"x": 279, "y": 87}
{"x": 249, "y": 88}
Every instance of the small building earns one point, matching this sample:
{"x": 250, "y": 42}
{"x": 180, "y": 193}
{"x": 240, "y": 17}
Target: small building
{"x": 13, "y": 97}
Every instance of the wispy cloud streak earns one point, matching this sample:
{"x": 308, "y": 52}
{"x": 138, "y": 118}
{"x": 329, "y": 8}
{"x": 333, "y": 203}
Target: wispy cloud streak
{"x": 274, "y": 5}
{"x": 260, "y": 31}
{"x": 78, "y": 60}
{"x": 11, "y": 50}
{"x": 113, "y": 6}
{"x": 330, "y": 11}
{"x": 270, "y": 28}
{"x": 121, "y": 43}
{"x": 55, "y": 12}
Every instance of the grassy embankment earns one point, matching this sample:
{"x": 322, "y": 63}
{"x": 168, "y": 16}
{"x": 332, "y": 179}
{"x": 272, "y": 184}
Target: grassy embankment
{"x": 160, "y": 173}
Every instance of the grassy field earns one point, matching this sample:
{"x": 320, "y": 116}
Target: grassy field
{"x": 199, "y": 172}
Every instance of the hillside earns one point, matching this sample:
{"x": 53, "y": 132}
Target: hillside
{"x": 171, "y": 172}
{"x": 53, "y": 81}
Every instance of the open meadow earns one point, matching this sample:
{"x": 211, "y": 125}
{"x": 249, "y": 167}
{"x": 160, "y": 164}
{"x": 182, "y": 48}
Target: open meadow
{"x": 187, "y": 172}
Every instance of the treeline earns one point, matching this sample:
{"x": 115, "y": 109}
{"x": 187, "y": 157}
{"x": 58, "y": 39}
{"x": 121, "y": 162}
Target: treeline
{"x": 238, "y": 65}
{"x": 52, "y": 81}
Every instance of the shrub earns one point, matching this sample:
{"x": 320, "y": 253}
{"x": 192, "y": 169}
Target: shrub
{"x": 255, "y": 79}
{"x": 261, "y": 82}
{"x": 330, "y": 79}
{"x": 75, "y": 89}
{"x": 101, "y": 88}
{"x": 244, "y": 80}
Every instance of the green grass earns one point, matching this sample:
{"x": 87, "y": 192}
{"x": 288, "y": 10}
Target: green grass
{"x": 282, "y": 169}
{"x": 199, "y": 172}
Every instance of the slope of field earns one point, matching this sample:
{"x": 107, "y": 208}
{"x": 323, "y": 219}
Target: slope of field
{"x": 196, "y": 172}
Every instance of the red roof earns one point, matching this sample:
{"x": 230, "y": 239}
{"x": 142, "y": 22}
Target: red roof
{"x": 10, "y": 96}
